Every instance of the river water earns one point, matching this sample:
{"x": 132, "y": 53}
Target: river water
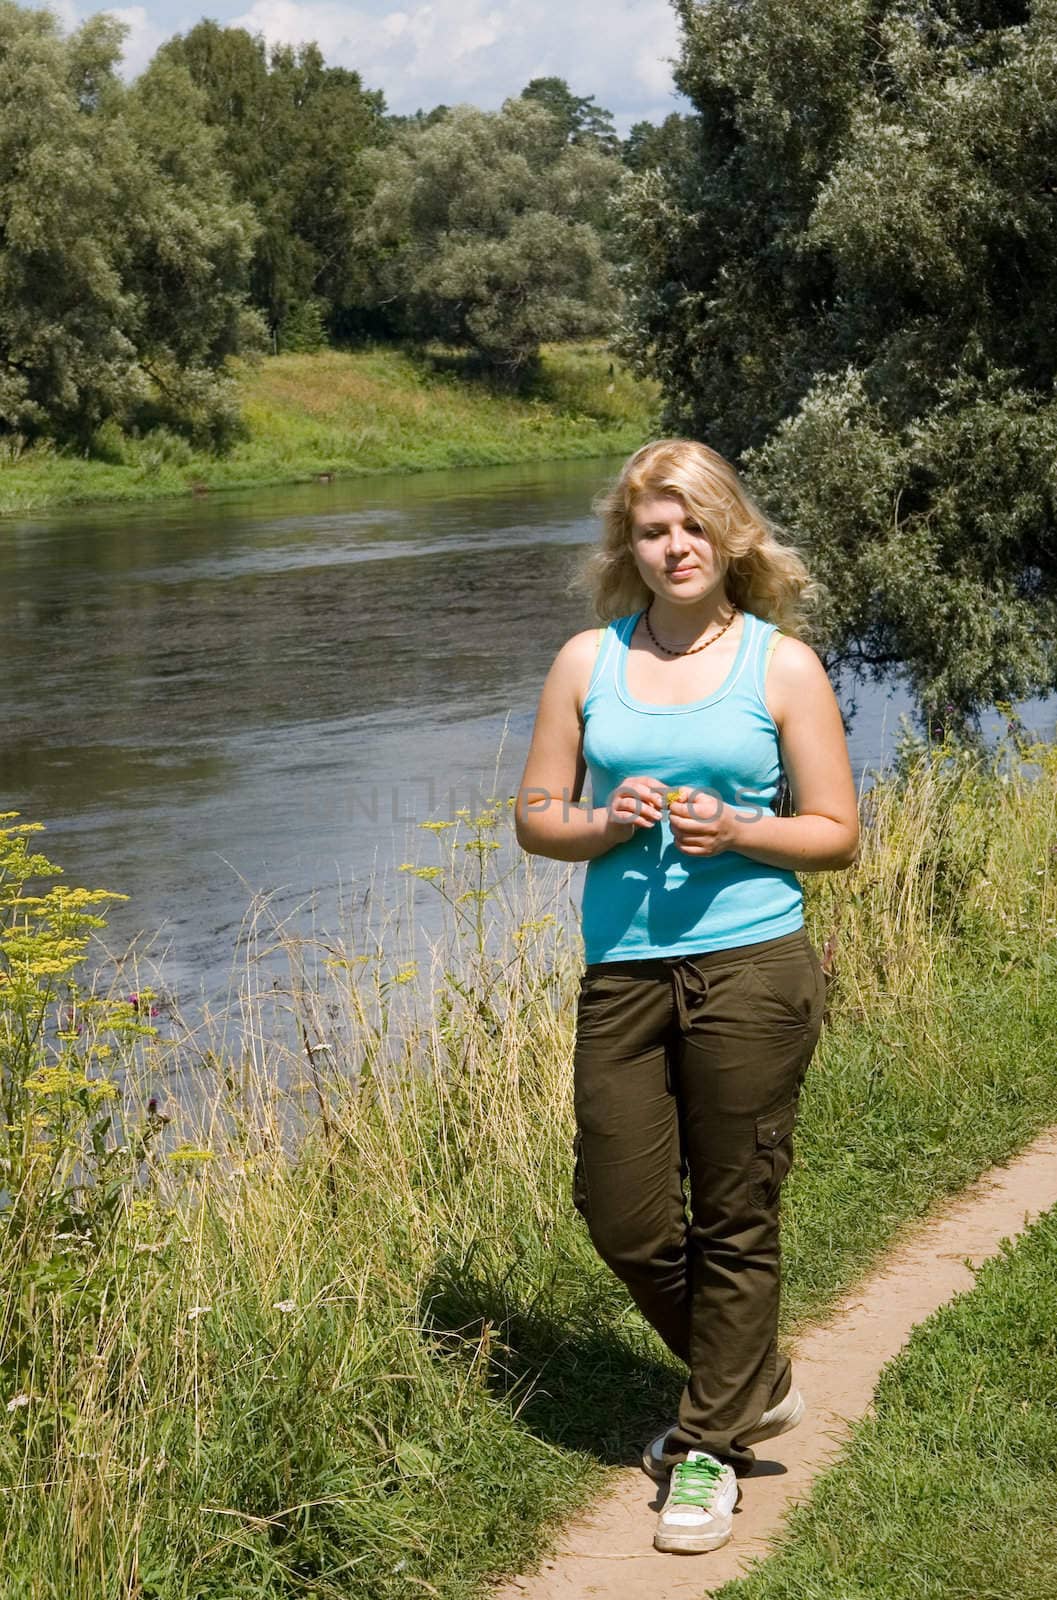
{"x": 268, "y": 692}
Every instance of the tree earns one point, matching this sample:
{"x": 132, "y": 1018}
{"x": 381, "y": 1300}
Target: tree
{"x": 416, "y": 119}
{"x": 292, "y": 136}
{"x": 484, "y": 229}
{"x": 848, "y": 285}
{"x": 122, "y": 257}
{"x": 578, "y": 120}
{"x": 668, "y": 144}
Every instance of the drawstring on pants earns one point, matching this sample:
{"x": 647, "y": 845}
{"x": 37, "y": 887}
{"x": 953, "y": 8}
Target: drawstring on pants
{"x": 689, "y": 987}
{"x": 689, "y": 983}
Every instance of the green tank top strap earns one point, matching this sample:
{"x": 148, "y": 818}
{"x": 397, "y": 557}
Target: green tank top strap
{"x": 769, "y": 651}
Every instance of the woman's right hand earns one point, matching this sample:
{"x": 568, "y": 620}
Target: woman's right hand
{"x": 636, "y": 803}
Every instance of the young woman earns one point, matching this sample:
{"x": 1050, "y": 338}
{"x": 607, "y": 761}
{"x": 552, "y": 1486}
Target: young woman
{"x": 702, "y": 997}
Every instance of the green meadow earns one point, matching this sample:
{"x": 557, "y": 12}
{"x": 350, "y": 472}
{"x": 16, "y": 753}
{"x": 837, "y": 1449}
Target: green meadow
{"x": 340, "y": 414}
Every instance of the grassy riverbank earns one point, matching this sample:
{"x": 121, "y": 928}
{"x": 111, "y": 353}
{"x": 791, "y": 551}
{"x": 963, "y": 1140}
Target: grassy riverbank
{"x": 347, "y": 1337}
{"x": 950, "y": 1489}
{"x": 352, "y": 415}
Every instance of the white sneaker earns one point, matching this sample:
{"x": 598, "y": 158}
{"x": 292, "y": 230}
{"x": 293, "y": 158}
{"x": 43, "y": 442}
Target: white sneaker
{"x": 698, "y": 1514}
{"x": 651, "y": 1457}
{"x": 779, "y": 1419}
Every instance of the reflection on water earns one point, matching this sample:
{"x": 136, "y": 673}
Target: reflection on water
{"x": 208, "y": 698}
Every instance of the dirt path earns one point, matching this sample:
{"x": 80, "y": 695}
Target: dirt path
{"x": 609, "y": 1550}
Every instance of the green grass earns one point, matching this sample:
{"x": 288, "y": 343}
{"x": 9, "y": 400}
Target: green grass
{"x": 354, "y": 1342}
{"x": 902, "y": 1110}
{"x": 949, "y": 1491}
{"x": 356, "y": 414}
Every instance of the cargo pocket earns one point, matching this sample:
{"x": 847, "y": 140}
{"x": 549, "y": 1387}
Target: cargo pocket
{"x": 774, "y": 1155}
{"x": 579, "y": 1178}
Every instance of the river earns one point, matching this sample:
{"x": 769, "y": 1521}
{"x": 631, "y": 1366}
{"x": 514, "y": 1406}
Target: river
{"x": 268, "y": 692}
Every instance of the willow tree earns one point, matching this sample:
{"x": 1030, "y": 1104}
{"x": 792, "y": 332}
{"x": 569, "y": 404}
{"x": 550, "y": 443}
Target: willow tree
{"x": 486, "y": 231}
{"x": 849, "y": 285}
{"x": 122, "y": 257}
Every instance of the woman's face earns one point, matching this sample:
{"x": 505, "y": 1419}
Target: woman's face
{"x": 673, "y": 553}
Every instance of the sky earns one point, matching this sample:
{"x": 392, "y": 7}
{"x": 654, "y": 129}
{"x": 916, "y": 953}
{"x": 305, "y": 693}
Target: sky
{"x": 448, "y": 51}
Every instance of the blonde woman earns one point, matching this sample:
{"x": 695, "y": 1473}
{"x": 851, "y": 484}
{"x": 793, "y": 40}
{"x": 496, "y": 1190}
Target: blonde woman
{"x": 702, "y": 998}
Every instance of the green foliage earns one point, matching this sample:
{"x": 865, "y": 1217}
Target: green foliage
{"x": 157, "y": 449}
{"x": 122, "y": 257}
{"x": 63, "y": 1170}
{"x": 416, "y": 119}
{"x": 485, "y": 230}
{"x": 669, "y": 144}
{"x": 847, "y": 282}
{"x": 292, "y": 132}
{"x": 305, "y": 328}
{"x": 578, "y": 119}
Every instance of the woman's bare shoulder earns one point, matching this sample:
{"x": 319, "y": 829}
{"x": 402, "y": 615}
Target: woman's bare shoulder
{"x": 574, "y": 663}
{"x": 583, "y": 645}
{"x": 794, "y": 662}
{"x": 795, "y": 675}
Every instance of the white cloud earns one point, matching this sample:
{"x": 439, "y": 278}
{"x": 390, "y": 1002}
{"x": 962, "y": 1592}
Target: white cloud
{"x": 141, "y": 41}
{"x": 142, "y": 34}
{"x": 478, "y": 51}
{"x": 65, "y": 11}
{"x": 655, "y": 73}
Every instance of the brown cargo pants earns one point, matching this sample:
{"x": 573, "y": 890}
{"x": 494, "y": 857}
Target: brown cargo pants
{"x": 690, "y": 1067}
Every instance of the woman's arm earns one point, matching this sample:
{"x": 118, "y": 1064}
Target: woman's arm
{"x": 548, "y": 819}
{"x": 824, "y": 835}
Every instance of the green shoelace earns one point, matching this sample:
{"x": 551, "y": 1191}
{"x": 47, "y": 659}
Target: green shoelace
{"x": 694, "y": 1483}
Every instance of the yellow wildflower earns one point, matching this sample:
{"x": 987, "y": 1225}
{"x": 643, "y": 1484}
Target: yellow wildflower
{"x": 65, "y": 1081}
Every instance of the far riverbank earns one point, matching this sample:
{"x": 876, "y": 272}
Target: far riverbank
{"x": 340, "y": 414}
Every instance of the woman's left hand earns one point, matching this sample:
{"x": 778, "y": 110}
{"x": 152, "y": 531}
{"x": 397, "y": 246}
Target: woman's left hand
{"x": 702, "y": 824}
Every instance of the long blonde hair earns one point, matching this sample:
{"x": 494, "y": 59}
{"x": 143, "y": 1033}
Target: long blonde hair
{"x": 764, "y": 576}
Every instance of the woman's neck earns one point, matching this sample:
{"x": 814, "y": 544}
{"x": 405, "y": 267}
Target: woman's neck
{"x": 680, "y": 626}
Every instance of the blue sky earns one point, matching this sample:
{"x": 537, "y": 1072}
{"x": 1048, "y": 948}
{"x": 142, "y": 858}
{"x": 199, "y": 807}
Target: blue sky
{"x": 424, "y": 52}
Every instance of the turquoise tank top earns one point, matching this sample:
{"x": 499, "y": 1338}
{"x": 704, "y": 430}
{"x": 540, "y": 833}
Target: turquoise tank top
{"x": 645, "y": 897}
